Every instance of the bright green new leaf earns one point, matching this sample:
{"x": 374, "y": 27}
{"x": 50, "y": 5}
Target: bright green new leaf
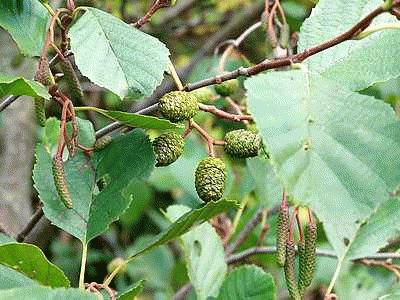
{"x": 354, "y": 64}
{"x": 40, "y": 293}
{"x": 94, "y": 210}
{"x": 135, "y": 120}
{"x": 248, "y": 283}
{"x": 117, "y": 56}
{"x": 334, "y": 150}
{"x": 204, "y": 255}
{"x": 30, "y": 261}
{"x": 19, "y": 86}
{"x": 186, "y": 222}
{"x": 26, "y": 21}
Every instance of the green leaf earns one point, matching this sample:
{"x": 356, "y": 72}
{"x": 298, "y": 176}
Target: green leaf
{"x": 135, "y": 120}
{"x": 117, "y": 56}
{"x": 10, "y": 278}
{"x": 86, "y": 133}
{"x": 93, "y": 211}
{"x": 26, "y": 21}
{"x": 354, "y": 64}
{"x": 5, "y": 239}
{"x": 40, "y": 293}
{"x": 334, "y": 150}
{"x": 185, "y": 223}
{"x": 393, "y": 294}
{"x": 19, "y": 86}
{"x": 204, "y": 255}
{"x": 31, "y": 261}
{"x": 377, "y": 231}
{"x": 248, "y": 283}
{"x": 132, "y": 292}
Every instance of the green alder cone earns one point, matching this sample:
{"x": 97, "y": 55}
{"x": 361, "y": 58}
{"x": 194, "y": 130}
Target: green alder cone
{"x": 242, "y": 143}
{"x": 282, "y": 235}
{"x": 227, "y": 88}
{"x": 290, "y": 271}
{"x": 115, "y": 263}
{"x": 60, "y": 182}
{"x": 40, "y": 112}
{"x": 307, "y": 264}
{"x": 210, "y": 179}
{"x": 72, "y": 80}
{"x": 204, "y": 95}
{"x": 168, "y": 148}
{"x": 178, "y": 106}
{"x": 102, "y": 142}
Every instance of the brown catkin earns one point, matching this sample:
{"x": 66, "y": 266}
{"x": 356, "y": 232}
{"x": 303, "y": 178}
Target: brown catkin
{"x": 290, "y": 271}
{"x": 282, "y": 235}
{"x": 72, "y": 80}
{"x": 60, "y": 182}
{"x": 307, "y": 264}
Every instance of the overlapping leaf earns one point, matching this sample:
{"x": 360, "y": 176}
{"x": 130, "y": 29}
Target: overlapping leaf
{"x": 40, "y": 293}
{"x": 354, "y": 64}
{"x": 19, "y": 86}
{"x": 333, "y": 149}
{"x": 26, "y": 21}
{"x": 117, "y": 56}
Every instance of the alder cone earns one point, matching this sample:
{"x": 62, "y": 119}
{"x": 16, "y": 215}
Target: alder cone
{"x": 72, "y": 80}
{"x": 290, "y": 271}
{"x": 210, "y": 179}
{"x": 40, "y": 113}
{"x": 168, "y": 148}
{"x": 60, "y": 182}
{"x": 178, "y": 106}
{"x": 242, "y": 143}
{"x": 307, "y": 264}
{"x": 102, "y": 142}
{"x": 204, "y": 95}
{"x": 282, "y": 235}
{"x": 227, "y": 88}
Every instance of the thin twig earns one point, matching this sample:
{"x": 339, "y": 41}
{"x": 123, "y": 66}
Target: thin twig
{"x": 30, "y": 225}
{"x": 223, "y": 114}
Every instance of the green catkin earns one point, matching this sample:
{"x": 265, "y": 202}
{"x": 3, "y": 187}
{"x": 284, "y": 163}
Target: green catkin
{"x": 178, "y": 106}
{"x": 102, "y": 142}
{"x": 282, "y": 235}
{"x": 307, "y": 264}
{"x": 210, "y": 179}
{"x": 290, "y": 271}
{"x": 72, "y": 80}
{"x": 40, "y": 112}
{"x": 301, "y": 249}
{"x": 168, "y": 148}
{"x": 285, "y": 36}
{"x": 60, "y": 182}
{"x": 242, "y": 143}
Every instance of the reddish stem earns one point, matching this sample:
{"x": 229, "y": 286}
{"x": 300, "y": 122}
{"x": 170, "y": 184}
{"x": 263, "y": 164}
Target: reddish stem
{"x": 223, "y": 114}
{"x": 206, "y": 136}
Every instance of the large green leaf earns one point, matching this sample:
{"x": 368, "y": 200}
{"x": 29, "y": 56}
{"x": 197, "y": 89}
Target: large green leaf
{"x": 333, "y": 149}
{"x": 10, "y": 278}
{"x": 40, "y": 293}
{"x": 124, "y": 163}
{"x": 204, "y": 254}
{"x": 19, "y": 86}
{"x": 135, "y": 120}
{"x": 117, "y": 56}
{"x": 354, "y": 64}
{"x": 26, "y": 21}
{"x": 29, "y": 260}
{"x": 248, "y": 283}
{"x": 185, "y": 223}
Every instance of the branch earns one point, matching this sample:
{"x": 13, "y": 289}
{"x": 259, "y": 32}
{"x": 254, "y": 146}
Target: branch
{"x": 31, "y": 224}
{"x": 223, "y": 114}
{"x": 298, "y": 58}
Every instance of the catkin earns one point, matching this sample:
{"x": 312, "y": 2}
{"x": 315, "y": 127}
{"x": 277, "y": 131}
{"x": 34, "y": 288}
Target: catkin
{"x": 60, "y": 182}
{"x": 307, "y": 264}
{"x": 40, "y": 113}
{"x": 72, "y": 80}
{"x": 290, "y": 271}
{"x": 282, "y": 235}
